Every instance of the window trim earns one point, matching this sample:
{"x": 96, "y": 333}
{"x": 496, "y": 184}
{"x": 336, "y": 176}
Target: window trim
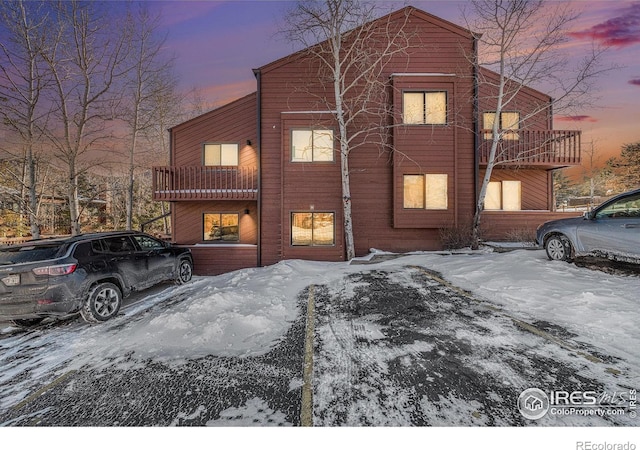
{"x": 425, "y": 206}
{"x": 424, "y": 189}
{"x": 503, "y": 194}
{"x": 220, "y": 213}
{"x": 511, "y": 134}
{"x": 312, "y": 212}
{"x": 424, "y": 93}
{"x": 204, "y": 154}
{"x": 312, "y": 160}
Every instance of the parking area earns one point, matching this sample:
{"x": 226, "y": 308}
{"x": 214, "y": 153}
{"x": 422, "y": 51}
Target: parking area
{"x": 394, "y": 343}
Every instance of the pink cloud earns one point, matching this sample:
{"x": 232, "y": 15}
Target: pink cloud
{"x": 620, "y": 31}
{"x": 576, "y": 119}
{"x": 635, "y": 82}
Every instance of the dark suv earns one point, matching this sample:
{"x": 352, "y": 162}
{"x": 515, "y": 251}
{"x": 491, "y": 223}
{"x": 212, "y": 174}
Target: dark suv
{"x": 88, "y": 273}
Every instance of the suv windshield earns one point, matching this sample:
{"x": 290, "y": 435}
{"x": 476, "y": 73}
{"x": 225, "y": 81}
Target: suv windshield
{"x": 28, "y": 253}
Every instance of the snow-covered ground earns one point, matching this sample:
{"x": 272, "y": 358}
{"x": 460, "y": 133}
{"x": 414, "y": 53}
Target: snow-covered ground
{"x": 247, "y": 313}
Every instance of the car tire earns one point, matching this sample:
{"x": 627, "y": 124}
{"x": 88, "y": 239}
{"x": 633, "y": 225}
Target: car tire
{"x": 26, "y": 323}
{"x": 558, "y": 248}
{"x": 102, "y": 303}
{"x": 185, "y": 271}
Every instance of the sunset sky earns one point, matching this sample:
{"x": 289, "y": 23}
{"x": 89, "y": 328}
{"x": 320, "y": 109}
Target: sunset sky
{"x": 218, "y": 43}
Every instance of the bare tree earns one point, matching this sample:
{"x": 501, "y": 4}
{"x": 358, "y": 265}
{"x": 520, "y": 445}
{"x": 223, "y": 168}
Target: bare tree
{"x": 86, "y": 56}
{"x": 148, "y": 83}
{"x": 168, "y": 113}
{"x": 521, "y": 42}
{"x": 627, "y": 166}
{"x": 596, "y": 175}
{"x": 22, "y": 81}
{"x": 352, "y": 50}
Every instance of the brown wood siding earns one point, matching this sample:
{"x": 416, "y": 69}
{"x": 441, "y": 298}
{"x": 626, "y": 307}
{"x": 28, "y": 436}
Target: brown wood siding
{"x": 209, "y": 260}
{"x": 435, "y": 149}
{"x": 526, "y": 103}
{"x": 535, "y": 186}
{"x": 310, "y": 187}
{"x": 188, "y": 220}
{"x": 289, "y": 89}
{"x": 438, "y": 46}
{"x": 516, "y": 225}
{"x": 232, "y": 123}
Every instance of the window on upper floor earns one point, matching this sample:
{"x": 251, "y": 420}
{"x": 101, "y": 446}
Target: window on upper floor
{"x": 504, "y": 196}
{"x": 509, "y": 124}
{"x": 312, "y": 228}
{"x": 220, "y": 227}
{"x": 312, "y": 145}
{"x": 220, "y": 154}
{"x": 426, "y": 108}
{"x": 425, "y": 191}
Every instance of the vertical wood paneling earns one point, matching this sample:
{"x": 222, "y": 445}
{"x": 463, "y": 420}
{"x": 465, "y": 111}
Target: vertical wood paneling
{"x": 231, "y": 123}
{"x": 188, "y": 219}
{"x": 510, "y": 225}
{"x": 535, "y": 194}
{"x": 289, "y": 90}
{"x": 290, "y": 85}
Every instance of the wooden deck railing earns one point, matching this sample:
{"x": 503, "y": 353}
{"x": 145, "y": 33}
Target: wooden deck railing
{"x": 205, "y": 183}
{"x": 534, "y": 147}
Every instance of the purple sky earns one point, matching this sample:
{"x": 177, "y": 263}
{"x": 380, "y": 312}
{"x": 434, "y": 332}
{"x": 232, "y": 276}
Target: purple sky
{"x": 218, "y": 43}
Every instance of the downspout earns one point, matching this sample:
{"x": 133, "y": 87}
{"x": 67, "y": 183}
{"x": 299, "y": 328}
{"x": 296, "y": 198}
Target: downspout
{"x": 476, "y": 119}
{"x": 172, "y": 204}
{"x": 257, "y": 74}
{"x": 551, "y": 194}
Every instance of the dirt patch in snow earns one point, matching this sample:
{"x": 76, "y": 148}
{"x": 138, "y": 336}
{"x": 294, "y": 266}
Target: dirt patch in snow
{"x": 399, "y": 348}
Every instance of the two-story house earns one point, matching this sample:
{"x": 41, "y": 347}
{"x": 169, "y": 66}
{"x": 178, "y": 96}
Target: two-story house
{"x": 258, "y": 180}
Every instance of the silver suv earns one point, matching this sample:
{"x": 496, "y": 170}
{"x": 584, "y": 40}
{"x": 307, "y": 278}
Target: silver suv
{"x": 89, "y": 273}
{"x": 611, "y": 230}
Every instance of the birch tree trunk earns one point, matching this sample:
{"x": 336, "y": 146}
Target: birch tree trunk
{"x": 522, "y": 42}
{"x": 351, "y": 62}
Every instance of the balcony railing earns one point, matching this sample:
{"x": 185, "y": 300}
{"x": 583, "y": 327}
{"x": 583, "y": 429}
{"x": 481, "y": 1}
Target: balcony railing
{"x": 551, "y": 148}
{"x": 205, "y": 183}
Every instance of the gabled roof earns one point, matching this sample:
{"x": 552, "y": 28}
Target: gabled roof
{"x": 398, "y": 15}
{"x": 214, "y": 112}
{"x": 492, "y": 75}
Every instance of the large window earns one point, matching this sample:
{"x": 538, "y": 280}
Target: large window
{"x": 220, "y": 154}
{"x": 425, "y": 108}
{"x": 425, "y": 191}
{"x": 311, "y": 145}
{"x": 503, "y": 195}
{"x": 509, "y": 124}
{"x": 221, "y": 227}
{"x": 312, "y": 228}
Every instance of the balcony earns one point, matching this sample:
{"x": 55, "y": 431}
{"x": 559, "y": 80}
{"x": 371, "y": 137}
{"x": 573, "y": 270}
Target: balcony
{"x": 539, "y": 148}
{"x": 205, "y": 183}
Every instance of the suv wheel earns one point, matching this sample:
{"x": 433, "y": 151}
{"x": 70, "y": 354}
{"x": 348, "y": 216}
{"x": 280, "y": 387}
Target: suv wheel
{"x": 102, "y": 304}
{"x": 185, "y": 272}
{"x": 558, "y": 248}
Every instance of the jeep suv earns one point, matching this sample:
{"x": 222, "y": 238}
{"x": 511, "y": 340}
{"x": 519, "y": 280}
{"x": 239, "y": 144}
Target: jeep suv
{"x": 88, "y": 273}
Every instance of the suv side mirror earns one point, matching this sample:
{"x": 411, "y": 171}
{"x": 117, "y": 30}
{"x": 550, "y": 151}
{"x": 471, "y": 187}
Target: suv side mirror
{"x": 587, "y": 215}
